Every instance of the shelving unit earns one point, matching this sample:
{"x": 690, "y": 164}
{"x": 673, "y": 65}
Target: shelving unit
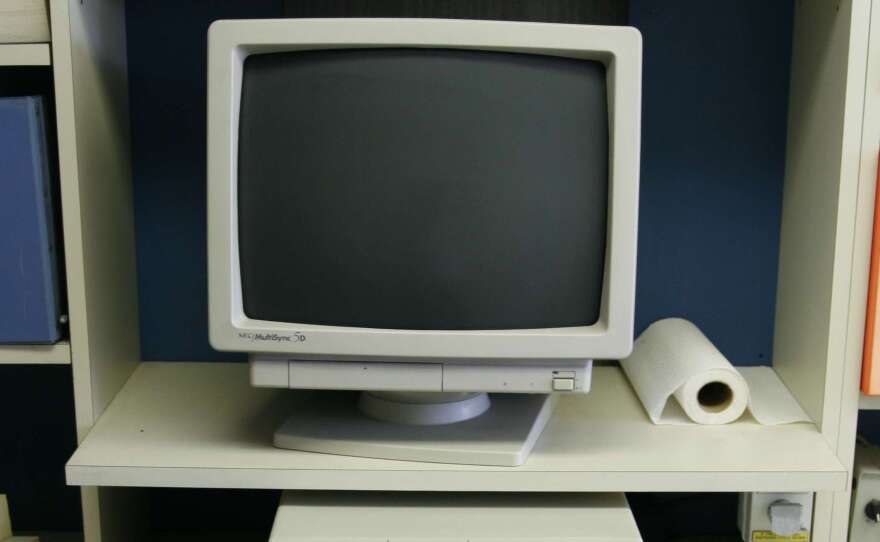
{"x": 25, "y": 54}
{"x": 201, "y": 425}
{"x": 52, "y": 354}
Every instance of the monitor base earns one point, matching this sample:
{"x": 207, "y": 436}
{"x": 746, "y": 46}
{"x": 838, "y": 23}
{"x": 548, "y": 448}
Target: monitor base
{"x": 423, "y": 408}
{"x": 504, "y": 435}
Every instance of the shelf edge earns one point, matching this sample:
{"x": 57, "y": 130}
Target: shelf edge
{"x": 25, "y": 54}
{"x": 464, "y": 481}
{"x": 35, "y": 354}
{"x": 869, "y": 402}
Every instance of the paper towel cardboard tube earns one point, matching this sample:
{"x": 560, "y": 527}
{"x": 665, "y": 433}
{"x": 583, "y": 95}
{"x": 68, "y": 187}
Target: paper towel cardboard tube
{"x": 715, "y": 396}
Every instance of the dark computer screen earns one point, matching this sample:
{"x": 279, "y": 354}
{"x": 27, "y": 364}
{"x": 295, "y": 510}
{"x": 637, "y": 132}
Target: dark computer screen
{"x": 423, "y": 189}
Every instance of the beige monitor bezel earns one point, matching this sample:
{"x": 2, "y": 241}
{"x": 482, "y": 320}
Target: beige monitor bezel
{"x": 619, "y": 48}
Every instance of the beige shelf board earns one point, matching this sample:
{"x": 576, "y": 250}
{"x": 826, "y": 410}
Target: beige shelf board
{"x": 869, "y": 402}
{"x": 202, "y": 425}
{"x": 25, "y": 54}
{"x": 30, "y": 354}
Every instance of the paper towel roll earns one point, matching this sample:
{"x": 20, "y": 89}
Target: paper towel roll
{"x": 673, "y": 358}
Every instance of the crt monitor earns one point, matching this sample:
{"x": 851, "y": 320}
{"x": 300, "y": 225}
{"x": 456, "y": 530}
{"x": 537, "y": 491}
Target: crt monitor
{"x": 424, "y": 211}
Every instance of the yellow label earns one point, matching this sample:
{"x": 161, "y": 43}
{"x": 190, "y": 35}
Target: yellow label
{"x": 769, "y": 536}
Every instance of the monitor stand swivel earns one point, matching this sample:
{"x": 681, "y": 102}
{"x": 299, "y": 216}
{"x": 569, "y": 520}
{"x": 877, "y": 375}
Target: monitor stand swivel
{"x": 437, "y": 427}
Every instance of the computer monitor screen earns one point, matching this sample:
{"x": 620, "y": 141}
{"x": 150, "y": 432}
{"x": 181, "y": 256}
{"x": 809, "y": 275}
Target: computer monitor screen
{"x": 423, "y": 189}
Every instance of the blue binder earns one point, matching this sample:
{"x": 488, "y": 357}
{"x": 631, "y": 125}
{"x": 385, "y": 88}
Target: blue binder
{"x": 29, "y": 296}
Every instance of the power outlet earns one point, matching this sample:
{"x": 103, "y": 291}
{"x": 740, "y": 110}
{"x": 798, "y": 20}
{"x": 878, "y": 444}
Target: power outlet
{"x": 775, "y": 517}
{"x": 864, "y": 524}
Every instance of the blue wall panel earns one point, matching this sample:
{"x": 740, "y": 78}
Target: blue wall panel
{"x": 715, "y": 96}
{"x": 167, "y": 52}
{"x": 714, "y": 115}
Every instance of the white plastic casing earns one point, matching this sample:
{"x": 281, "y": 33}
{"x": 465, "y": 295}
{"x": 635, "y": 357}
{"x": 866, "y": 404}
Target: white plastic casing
{"x": 382, "y": 516}
{"x": 619, "y": 48}
{"x": 276, "y": 372}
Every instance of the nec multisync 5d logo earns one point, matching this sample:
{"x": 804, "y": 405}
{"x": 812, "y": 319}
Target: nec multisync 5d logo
{"x": 296, "y": 337}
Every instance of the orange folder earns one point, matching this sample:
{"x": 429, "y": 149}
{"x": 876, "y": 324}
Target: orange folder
{"x": 871, "y": 350}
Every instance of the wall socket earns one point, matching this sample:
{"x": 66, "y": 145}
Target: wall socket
{"x": 775, "y": 517}
{"x": 864, "y": 522}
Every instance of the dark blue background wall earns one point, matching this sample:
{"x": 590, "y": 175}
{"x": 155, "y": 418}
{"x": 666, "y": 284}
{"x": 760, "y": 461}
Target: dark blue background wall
{"x": 715, "y": 96}
{"x": 714, "y": 115}
{"x": 167, "y": 51}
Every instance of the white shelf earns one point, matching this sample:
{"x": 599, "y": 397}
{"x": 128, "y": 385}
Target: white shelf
{"x": 869, "y": 402}
{"x": 25, "y": 54}
{"x": 202, "y": 425}
{"x": 50, "y": 354}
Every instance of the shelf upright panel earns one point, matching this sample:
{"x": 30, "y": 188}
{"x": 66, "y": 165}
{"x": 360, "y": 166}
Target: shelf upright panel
{"x": 91, "y": 98}
{"x": 825, "y": 237}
